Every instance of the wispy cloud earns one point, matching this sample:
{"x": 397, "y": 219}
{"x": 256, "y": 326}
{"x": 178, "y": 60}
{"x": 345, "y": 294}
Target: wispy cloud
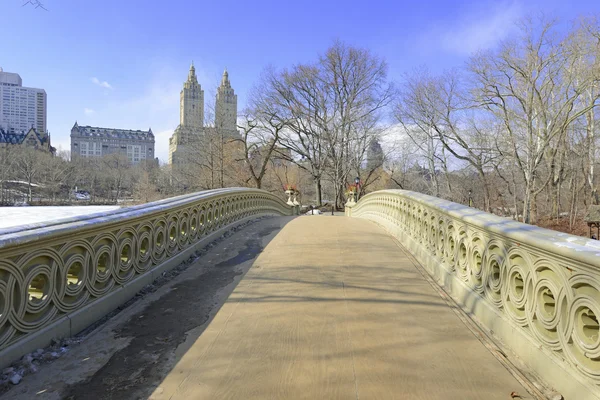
{"x": 479, "y": 29}
{"x": 88, "y": 111}
{"x": 100, "y": 83}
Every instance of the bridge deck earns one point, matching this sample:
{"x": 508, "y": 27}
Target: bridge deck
{"x": 333, "y": 308}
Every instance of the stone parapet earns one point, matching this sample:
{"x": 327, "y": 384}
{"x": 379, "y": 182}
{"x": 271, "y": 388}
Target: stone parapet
{"x": 56, "y": 278}
{"x": 534, "y": 289}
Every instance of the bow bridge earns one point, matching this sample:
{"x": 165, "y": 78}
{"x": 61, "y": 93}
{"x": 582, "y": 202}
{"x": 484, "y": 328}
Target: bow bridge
{"x": 406, "y": 296}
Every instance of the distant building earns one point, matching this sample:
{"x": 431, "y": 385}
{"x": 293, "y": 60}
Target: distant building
{"x": 91, "y": 141}
{"x": 191, "y": 117}
{"x": 280, "y": 156}
{"x": 226, "y": 108}
{"x": 374, "y": 155}
{"x": 21, "y": 108}
{"x": 32, "y": 138}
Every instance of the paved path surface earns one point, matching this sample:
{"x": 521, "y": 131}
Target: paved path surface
{"x": 333, "y": 309}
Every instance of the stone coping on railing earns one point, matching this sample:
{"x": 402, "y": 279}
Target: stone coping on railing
{"x": 571, "y": 246}
{"x": 58, "y": 277}
{"x": 536, "y": 289}
{"x": 12, "y": 233}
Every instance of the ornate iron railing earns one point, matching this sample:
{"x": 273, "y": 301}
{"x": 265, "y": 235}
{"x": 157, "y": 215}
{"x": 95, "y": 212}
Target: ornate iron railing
{"x": 57, "y": 277}
{"x": 544, "y": 283}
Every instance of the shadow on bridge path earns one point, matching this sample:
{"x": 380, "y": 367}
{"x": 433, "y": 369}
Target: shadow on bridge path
{"x": 332, "y": 308}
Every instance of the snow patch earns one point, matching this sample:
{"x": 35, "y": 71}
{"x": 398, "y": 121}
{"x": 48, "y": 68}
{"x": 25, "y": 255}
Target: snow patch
{"x": 17, "y": 216}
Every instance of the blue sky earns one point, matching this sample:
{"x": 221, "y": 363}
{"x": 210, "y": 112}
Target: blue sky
{"x": 121, "y": 63}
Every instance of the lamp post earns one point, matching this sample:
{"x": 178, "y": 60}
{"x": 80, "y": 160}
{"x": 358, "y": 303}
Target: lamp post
{"x": 357, "y": 182}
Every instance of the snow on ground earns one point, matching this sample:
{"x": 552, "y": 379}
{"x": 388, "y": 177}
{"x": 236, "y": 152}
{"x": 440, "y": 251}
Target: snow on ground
{"x": 15, "y": 216}
{"x": 314, "y": 212}
{"x": 23, "y": 183}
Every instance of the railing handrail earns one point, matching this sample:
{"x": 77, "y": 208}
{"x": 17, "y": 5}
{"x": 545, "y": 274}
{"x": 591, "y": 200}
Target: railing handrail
{"x": 25, "y": 233}
{"x": 535, "y": 289}
{"x": 571, "y": 246}
{"x": 57, "y": 277}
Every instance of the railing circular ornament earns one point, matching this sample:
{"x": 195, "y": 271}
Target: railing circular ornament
{"x": 545, "y": 283}
{"x": 57, "y": 269}
{"x": 580, "y": 332}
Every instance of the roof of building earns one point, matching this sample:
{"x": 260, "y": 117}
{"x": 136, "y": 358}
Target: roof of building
{"x": 10, "y": 78}
{"x": 95, "y": 131}
{"x": 225, "y": 79}
{"x": 18, "y": 137}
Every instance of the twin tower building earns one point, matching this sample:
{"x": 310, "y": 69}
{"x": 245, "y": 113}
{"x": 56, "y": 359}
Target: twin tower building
{"x": 191, "y": 118}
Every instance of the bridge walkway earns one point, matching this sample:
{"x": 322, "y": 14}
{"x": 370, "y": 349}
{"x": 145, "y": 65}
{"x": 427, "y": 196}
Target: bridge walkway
{"x": 333, "y": 308}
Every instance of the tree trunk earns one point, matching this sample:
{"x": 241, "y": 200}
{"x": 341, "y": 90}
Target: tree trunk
{"x": 590, "y": 127}
{"x": 534, "y": 208}
{"x": 446, "y": 175}
{"x": 573, "y": 187}
{"x": 336, "y": 193}
{"x": 486, "y": 191}
{"x": 555, "y": 199}
{"x": 530, "y": 200}
{"x": 527, "y": 204}
{"x": 318, "y": 192}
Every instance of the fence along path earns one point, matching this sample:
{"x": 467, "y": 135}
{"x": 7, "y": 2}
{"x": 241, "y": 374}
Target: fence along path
{"x": 333, "y": 308}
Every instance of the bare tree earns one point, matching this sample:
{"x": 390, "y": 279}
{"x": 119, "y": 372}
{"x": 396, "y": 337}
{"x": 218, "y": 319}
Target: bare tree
{"x": 332, "y": 110}
{"x": 27, "y": 165}
{"x": 417, "y": 117}
{"x": 56, "y": 174}
{"x": 146, "y": 182}
{"x": 299, "y": 98}
{"x": 585, "y": 42}
{"x": 117, "y": 174}
{"x": 260, "y": 136}
{"x": 437, "y": 109}
{"x": 6, "y": 167}
{"x": 359, "y": 93}
{"x": 35, "y": 4}
{"x": 529, "y": 86}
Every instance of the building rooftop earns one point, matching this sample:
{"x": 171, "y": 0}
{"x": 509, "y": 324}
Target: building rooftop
{"x": 18, "y": 137}
{"x": 95, "y": 131}
{"x": 10, "y": 78}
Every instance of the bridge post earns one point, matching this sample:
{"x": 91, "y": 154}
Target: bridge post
{"x": 348, "y": 206}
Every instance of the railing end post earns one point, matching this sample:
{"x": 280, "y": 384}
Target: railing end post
{"x": 348, "y": 209}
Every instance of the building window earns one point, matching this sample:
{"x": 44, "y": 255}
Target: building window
{"x": 90, "y": 149}
{"x": 133, "y": 153}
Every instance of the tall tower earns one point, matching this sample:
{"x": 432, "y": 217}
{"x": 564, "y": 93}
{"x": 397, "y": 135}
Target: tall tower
{"x": 191, "y": 119}
{"x": 191, "y": 102}
{"x": 226, "y": 106}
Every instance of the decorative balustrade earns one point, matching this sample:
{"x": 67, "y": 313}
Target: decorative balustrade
{"x": 542, "y": 286}
{"x": 53, "y": 273}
